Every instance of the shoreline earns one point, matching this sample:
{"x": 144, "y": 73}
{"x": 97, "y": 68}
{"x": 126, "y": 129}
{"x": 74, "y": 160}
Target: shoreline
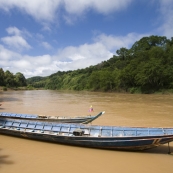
{"x": 164, "y": 91}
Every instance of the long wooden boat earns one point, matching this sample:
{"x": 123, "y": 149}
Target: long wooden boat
{"x": 60, "y": 119}
{"x": 85, "y": 135}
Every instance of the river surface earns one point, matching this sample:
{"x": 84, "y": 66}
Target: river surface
{"x": 29, "y": 156}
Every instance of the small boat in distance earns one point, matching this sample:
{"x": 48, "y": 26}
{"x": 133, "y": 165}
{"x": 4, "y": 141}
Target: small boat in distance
{"x": 58, "y": 119}
{"x": 85, "y": 135}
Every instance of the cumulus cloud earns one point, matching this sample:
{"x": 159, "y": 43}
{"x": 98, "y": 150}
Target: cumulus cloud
{"x": 28, "y": 65}
{"x": 68, "y": 58}
{"x": 102, "y": 49}
{"x": 46, "y": 10}
{"x": 16, "y": 41}
{"x": 71, "y": 57}
{"x": 6, "y": 54}
{"x": 86, "y": 54}
{"x": 112, "y": 42}
{"x": 21, "y": 64}
{"x": 38, "y": 9}
{"x": 75, "y": 8}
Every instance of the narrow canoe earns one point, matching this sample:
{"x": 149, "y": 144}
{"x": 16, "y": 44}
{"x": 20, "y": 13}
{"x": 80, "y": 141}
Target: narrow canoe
{"x": 60, "y": 119}
{"x": 85, "y": 135}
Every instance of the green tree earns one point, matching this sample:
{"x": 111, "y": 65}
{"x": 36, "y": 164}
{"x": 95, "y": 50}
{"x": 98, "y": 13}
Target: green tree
{"x": 20, "y": 79}
{"x": 2, "y": 77}
{"x": 94, "y": 80}
{"x": 123, "y": 53}
{"x": 146, "y": 43}
{"x": 9, "y": 79}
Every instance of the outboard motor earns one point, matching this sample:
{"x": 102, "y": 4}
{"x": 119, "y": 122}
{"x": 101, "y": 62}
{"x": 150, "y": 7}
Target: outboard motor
{"x": 78, "y": 132}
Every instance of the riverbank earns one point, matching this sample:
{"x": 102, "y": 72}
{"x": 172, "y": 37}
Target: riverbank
{"x": 18, "y": 88}
{"x": 163, "y": 91}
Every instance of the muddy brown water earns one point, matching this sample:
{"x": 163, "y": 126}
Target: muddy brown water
{"x": 29, "y": 156}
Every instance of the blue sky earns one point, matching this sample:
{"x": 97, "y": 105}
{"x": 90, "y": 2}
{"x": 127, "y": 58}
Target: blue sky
{"x": 41, "y": 37}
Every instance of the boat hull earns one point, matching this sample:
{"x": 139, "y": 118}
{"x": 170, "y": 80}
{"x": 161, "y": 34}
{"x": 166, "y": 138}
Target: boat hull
{"x": 106, "y": 143}
{"x": 30, "y": 117}
{"x": 64, "y": 134}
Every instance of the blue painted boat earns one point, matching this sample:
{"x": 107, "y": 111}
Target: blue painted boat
{"x": 107, "y": 137}
{"x": 60, "y": 119}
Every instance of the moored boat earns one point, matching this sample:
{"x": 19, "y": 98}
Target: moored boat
{"x": 107, "y": 137}
{"x": 60, "y": 119}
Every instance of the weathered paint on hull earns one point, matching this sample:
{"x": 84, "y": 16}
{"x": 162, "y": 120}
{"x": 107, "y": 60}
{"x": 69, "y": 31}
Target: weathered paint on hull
{"x": 110, "y": 137}
{"x": 84, "y": 119}
{"x": 55, "y": 120}
{"x": 94, "y": 142}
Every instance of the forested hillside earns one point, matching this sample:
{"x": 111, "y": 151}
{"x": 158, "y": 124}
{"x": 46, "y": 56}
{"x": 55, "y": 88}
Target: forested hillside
{"x": 146, "y": 67}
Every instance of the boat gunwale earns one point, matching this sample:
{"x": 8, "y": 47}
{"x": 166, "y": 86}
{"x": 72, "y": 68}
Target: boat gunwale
{"x": 80, "y": 126}
{"x": 94, "y": 137}
{"x": 63, "y": 119}
{"x": 68, "y": 138}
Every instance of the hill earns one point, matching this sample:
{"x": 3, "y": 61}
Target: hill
{"x": 146, "y": 67}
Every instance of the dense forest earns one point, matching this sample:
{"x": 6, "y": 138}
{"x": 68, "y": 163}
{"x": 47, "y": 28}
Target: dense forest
{"x": 147, "y": 67}
{"x": 9, "y": 80}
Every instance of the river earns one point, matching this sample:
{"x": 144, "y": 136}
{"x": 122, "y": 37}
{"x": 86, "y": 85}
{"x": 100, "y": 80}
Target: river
{"x": 26, "y": 156}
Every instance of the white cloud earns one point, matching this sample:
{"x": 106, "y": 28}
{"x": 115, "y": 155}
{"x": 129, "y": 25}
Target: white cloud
{"x": 46, "y": 10}
{"x": 105, "y": 7}
{"x": 69, "y": 58}
{"x": 21, "y": 64}
{"x": 16, "y": 41}
{"x": 102, "y": 49}
{"x": 87, "y": 54}
{"x": 13, "y": 31}
{"x": 38, "y": 9}
{"x": 28, "y": 65}
{"x": 115, "y": 42}
{"x": 166, "y": 10}
{"x": 75, "y": 9}
{"x": 6, "y": 54}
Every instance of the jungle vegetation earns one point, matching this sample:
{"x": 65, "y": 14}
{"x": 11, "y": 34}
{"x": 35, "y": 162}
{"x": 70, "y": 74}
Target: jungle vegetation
{"x": 9, "y": 80}
{"x": 147, "y": 67}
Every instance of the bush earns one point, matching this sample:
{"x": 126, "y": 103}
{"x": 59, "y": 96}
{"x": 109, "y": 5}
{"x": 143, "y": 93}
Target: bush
{"x": 135, "y": 90}
{"x": 4, "y": 88}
